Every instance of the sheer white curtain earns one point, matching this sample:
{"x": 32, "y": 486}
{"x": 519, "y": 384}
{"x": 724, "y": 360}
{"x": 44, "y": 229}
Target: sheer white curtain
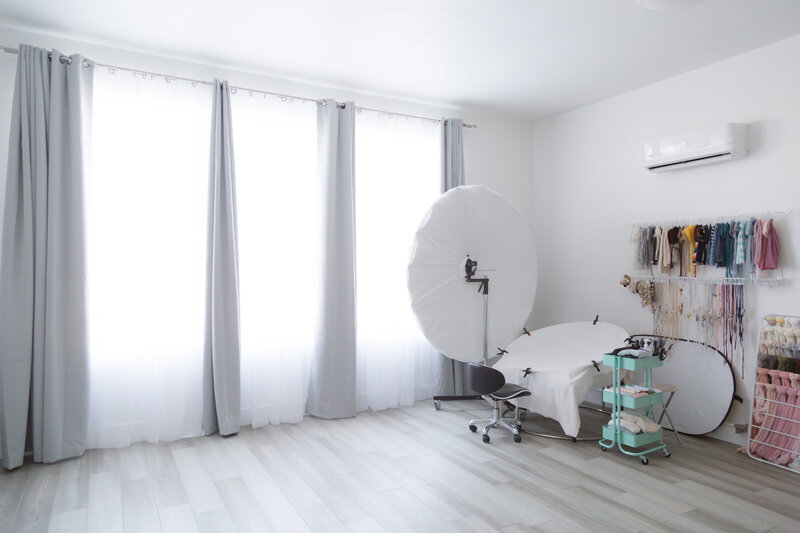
{"x": 280, "y": 250}
{"x": 146, "y": 242}
{"x": 398, "y": 175}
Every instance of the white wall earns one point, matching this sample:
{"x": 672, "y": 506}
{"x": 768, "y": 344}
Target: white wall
{"x": 497, "y": 153}
{"x": 589, "y": 181}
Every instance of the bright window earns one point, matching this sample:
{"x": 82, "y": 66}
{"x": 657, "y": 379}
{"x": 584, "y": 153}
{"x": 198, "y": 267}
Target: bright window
{"x": 146, "y": 225}
{"x": 398, "y": 173}
{"x": 280, "y": 245}
{"x": 146, "y": 211}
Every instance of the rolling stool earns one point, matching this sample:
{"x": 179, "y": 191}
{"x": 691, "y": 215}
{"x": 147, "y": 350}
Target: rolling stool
{"x": 671, "y": 389}
{"x": 488, "y": 381}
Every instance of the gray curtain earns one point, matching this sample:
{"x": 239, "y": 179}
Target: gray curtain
{"x": 332, "y": 390}
{"x": 221, "y": 385}
{"x": 451, "y": 377}
{"x": 43, "y": 339}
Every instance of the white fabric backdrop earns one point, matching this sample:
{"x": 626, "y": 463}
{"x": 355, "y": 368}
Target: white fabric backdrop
{"x": 146, "y": 207}
{"x": 398, "y": 175}
{"x": 280, "y": 245}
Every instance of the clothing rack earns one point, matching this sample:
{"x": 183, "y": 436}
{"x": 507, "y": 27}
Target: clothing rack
{"x": 711, "y": 220}
{"x": 234, "y": 89}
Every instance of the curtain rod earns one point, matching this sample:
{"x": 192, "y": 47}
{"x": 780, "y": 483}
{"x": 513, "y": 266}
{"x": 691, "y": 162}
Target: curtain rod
{"x": 234, "y": 89}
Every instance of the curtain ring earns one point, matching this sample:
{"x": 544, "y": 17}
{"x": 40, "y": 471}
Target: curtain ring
{"x": 168, "y": 80}
{"x": 323, "y": 103}
{"x": 233, "y": 90}
{"x": 85, "y": 63}
{"x": 251, "y": 94}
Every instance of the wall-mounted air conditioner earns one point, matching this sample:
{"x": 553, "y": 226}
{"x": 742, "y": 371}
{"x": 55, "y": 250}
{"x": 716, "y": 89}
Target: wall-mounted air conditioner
{"x": 702, "y": 147}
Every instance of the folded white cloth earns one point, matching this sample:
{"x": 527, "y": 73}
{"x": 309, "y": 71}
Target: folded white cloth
{"x": 627, "y": 425}
{"x": 647, "y": 425}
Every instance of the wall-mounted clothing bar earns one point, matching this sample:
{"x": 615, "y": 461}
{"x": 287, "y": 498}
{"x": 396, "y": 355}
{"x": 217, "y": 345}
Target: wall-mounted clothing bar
{"x": 712, "y": 220}
{"x": 235, "y": 89}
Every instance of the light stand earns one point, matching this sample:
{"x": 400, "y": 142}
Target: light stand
{"x": 470, "y": 267}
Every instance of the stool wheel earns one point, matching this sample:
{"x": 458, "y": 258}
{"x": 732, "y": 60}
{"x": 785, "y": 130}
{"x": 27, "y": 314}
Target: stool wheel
{"x": 486, "y": 438}
{"x": 517, "y": 438}
{"x": 473, "y": 428}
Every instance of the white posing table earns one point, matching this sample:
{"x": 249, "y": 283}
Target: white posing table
{"x": 555, "y": 363}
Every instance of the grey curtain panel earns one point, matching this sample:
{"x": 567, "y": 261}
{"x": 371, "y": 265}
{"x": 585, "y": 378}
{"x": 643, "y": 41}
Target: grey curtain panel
{"x": 43, "y": 332}
{"x": 451, "y": 377}
{"x": 452, "y": 153}
{"x": 221, "y": 374}
{"x": 332, "y": 389}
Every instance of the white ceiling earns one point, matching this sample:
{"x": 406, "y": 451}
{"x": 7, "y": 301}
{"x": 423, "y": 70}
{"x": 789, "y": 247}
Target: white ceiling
{"x": 536, "y": 57}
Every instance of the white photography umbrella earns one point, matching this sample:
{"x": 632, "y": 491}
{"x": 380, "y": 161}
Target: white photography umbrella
{"x": 474, "y": 221}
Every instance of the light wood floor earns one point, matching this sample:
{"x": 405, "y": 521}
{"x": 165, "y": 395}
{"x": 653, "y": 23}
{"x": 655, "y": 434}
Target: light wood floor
{"x": 411, "y": 469}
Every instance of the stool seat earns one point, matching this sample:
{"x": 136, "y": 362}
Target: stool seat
{"x": 509, "y": 391}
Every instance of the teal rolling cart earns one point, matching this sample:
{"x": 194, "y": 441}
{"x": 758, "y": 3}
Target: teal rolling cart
{"x": 614, "y": 434}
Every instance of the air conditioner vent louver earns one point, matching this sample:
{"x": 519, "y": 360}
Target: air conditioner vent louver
{"x": 703, "y": 147}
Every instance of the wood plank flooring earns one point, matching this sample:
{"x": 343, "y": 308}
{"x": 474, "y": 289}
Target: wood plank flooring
{"x": 410, "y": 469}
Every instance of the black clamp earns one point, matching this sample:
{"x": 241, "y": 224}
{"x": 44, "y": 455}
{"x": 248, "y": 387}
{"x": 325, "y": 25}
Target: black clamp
{"x": 502, "y": 351}
{"x": 633, "y": 344}
{"x": 596, "y": 318}
{"x": 525, "y": 330}
{"x": 526, "y": 372}
{"x": 596, "y": 366}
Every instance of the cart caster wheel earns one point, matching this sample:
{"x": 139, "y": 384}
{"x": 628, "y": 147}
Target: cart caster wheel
{"x": 603, "y": 449}
{"x": 665, "y": 452}
{"x": 486, "y": 438}
{"x": 517, "y": 438}
{"x": 437, "y": 404}
{"x": 645, "y": 460}
{"x": 473, "y": 428}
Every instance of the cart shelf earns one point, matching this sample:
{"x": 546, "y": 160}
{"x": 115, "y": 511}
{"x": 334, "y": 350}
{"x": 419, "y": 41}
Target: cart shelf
{"x": 630, "y": 402}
